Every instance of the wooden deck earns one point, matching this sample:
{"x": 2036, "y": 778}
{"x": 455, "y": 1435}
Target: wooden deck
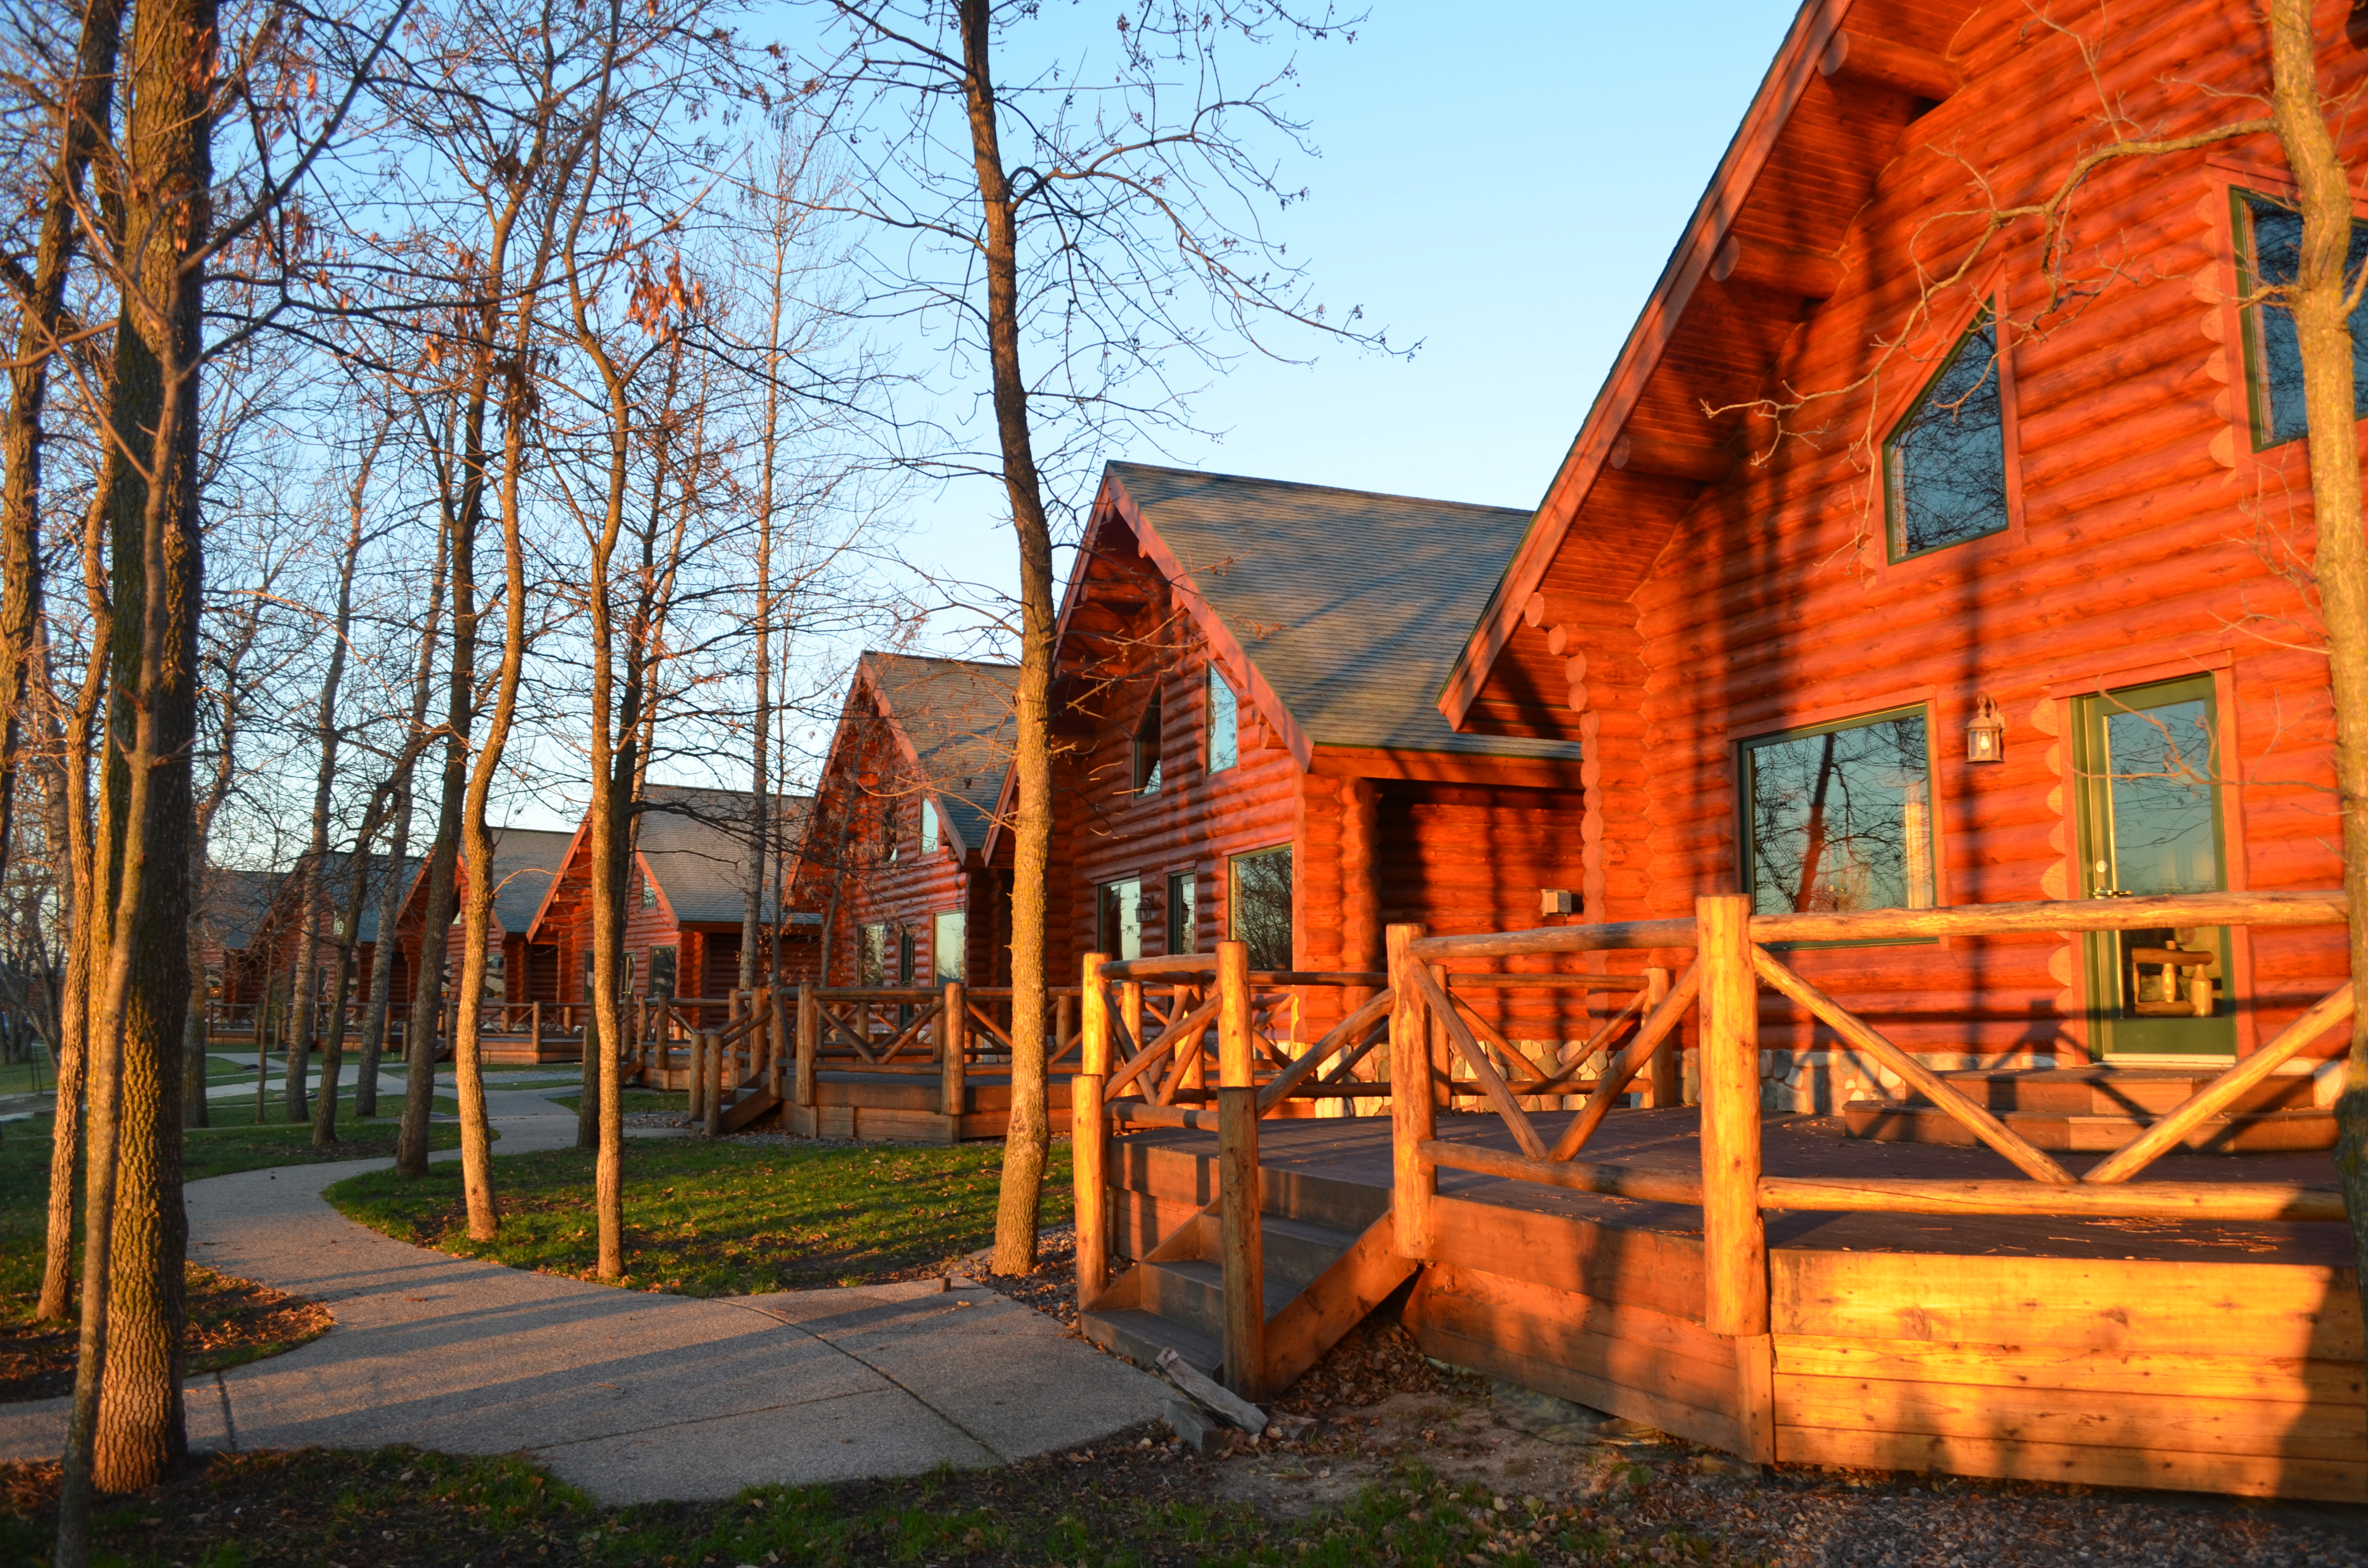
{"x": 2221, "y": 1357}
{"x": 902, "y": 1107}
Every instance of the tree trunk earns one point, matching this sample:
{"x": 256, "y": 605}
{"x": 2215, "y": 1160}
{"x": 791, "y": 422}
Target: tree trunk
{"x": 2318, "y": 302}
{"x": 303, "y": 979}
{"x": 1028, "y": 1143}
{"x": 86, "y": 121}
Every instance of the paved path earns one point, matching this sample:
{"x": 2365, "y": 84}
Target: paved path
{"x": 634, "y": 1396}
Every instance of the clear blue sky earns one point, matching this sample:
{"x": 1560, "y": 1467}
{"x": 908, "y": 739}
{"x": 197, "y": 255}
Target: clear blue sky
{"x": 1500, "y": 182}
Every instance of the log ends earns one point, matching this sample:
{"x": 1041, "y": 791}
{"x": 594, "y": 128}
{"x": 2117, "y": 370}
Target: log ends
{"x": 1860, "y": 57}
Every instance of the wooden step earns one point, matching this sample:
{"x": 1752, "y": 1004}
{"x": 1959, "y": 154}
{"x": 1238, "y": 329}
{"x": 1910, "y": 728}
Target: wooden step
{"x": 1139, "y": 1336}
{"x": 1898, "y": 1122}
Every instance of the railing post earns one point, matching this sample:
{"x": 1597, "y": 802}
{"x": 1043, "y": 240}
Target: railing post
{"x": 809, "y": 1044}
{"x": 776, "y": 1042}
{"x": 1242, "y": 1243}
{"x": 1413, "y": 1117}
{"x": 1089, "y": 1140}
{"x": 713, "y": 1110}
{"x": 1235, "y": 1056}
{"x": 1064, "y": 1017}
{"x": 695, "y": 1108}
{"x": 953, "y": 1042}
{"x": 1734, "y": 1234}
{"x": 534, "y": 1027}
{"x": 1669, "y": 1064}
{"x": 1129, "y": 1011}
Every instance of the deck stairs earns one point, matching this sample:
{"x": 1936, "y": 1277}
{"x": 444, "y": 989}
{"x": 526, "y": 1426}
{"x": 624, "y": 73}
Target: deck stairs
{"x": 749, "y": 1102}
{"x": 1327, "y": 1266}
{"x": 2094, "y": 1109}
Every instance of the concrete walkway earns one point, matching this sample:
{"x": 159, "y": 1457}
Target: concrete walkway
{"x": 634, "y": 1396}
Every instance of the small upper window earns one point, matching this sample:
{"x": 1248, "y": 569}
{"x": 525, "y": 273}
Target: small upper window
{"x": 2274, "y": 351}
{"x": 1840, "y": 819}
{"x": 1225, "y": 724}
{"x": 1944, "y": 464}
{"x": 929, "y": 827}
{"x": 649, "y": 893}
{"x": 1147, "y": 749}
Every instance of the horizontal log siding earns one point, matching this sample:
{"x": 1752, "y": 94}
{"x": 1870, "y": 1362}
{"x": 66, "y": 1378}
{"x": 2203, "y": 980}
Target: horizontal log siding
{"x": 872, "y": 785}
{"x": 2148, "y": 535}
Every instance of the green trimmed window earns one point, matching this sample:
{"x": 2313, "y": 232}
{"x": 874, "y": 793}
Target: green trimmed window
{"x": 1839, "y": 818}
{"x": 1944, "y": 464}
{"x": 2269, "y": 256}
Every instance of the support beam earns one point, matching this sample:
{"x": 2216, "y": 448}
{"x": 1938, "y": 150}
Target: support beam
{"x": 1673, "y": 459}
{"x": 1860, "y": 57}
{"x": 1780, "y": 269}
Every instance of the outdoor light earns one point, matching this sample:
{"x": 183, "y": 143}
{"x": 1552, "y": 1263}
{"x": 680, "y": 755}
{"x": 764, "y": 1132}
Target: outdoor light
{"x": 1986, "y": 736}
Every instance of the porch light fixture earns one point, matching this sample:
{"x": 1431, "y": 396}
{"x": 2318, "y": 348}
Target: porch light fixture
{"x": 1986, "y": 736}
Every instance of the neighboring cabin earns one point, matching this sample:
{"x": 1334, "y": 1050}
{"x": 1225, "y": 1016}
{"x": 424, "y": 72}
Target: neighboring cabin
{"x": 1244, "y": 690}
{"x": 524, "y": 860}
{"x": 894, "y": 859}
{"x": 249, "y": 923}
{"x": 686, "y": 900}
{"x": 2003, "y": 615}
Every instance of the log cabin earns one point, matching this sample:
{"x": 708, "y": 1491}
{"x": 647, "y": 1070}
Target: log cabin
{"x": 1244, "y": 692}
{"x": 1927, "y": 598}
{"x": 1899, "y": 562}
{"x": 525, "y": 861}
{"x": 249, "y": 942}
{"x": 686, "y": 902}
{"x": 894, "y": 858}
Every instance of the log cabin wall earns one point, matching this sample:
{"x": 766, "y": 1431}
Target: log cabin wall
{"x": 1701, "y": 581}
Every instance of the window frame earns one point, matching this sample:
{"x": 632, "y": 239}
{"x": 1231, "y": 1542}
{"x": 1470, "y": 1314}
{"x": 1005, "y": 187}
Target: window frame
{"x": 938, "y": 946}
{"x": 1233, "y": 893}
{"x": 2257, "y": 413}
{"x": 930, "y": 835}
{"x": 1828, "y": 722}
{"x": 1209, "y": 762}
{"x": 1109, "y": 923}
{"x": 1985, "y": 302}
{"x": 1187, "y": 883}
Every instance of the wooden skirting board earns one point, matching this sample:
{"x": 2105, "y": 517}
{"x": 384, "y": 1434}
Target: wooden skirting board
{"x": 2237, "y": 1377}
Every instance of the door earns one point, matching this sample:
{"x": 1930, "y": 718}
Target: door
{"x": 2151, "y": 823}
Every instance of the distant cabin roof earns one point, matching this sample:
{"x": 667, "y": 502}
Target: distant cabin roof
{"x": 337, "y": 866}
{"x": 1352, "y": 605}
{"x": 695, "y": 842}
{"x": 233, "y": 903}
{"x": 961, "y": 717}
{"x": 524, "y": 860}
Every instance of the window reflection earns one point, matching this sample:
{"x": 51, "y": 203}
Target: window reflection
{"x": 1840, "y": 820}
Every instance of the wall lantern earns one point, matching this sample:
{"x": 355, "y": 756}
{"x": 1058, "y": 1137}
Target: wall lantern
{"x": 1986, "y": 736}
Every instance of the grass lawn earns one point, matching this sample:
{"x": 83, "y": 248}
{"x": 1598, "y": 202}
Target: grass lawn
{"x": 722, "y": 1219}
{"x": 238, "y": 1110}
{"x": 27, "y": 1077}
{"x": 1124, "y": 1504}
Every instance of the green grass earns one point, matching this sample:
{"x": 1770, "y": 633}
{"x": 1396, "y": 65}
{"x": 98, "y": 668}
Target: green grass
{"x": 722, "y": 1219}
{"x": 636, "y": 1101}
{"x": 238, "y": 1110}
{"x": 1123, "y": 1505}
{"x": 27, "y": 1077}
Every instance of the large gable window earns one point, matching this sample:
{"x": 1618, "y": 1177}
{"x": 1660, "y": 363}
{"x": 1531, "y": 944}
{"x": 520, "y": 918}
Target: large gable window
{"x": 2271, "y": 253}
{"x": 1944, "y": 464}
{"x": 1147, "y": 749}
{"x": 1839, "y": 818}
{"x": 1225, "y": 724}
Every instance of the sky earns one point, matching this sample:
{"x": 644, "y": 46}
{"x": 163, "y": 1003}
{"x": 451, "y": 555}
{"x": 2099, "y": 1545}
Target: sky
{"x": 1502, "y": 183}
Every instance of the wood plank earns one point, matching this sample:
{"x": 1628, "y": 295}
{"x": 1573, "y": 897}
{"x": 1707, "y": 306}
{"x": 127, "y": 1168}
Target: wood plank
{"x": 1649, "y": 1268}
{"x": 2273, "y": 1310}
{"x": 1456, "y": 1337}
{"x": 1334, "y": 1302}
{"x": 2239, "y": 1375}
{"x": 2174, "y": 1423}
{"x": 2244, "y": 1475}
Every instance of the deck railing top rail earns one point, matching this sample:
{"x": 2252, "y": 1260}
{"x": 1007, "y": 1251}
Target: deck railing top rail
{"x": 1891, "y": 924}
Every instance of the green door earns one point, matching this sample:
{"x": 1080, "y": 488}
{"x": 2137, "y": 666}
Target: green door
{"x": 2150, "y": 823}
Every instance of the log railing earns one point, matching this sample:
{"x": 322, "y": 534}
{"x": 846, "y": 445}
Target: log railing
{"x": 1732, "y": 962}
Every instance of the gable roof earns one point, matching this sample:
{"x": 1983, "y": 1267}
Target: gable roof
{"x": 1803, "y": 161}
{"x": 957, "y": 721}
{"x": 1351, "y": 605}
{"x": 694, "y": 842}
{"x": 232, "y": 904}
{"x": 525, "y": 860}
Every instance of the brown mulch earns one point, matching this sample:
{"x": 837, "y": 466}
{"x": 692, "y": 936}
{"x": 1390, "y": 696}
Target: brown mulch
{"x": 231, "y": 1321}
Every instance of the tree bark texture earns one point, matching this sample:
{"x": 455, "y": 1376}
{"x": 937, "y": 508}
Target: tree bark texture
{"x": 2318, "y": 303}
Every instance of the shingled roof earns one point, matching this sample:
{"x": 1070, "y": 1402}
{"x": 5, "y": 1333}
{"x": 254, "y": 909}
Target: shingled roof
{"x": 695, "y": 842}
{"x": 960, "y": 717}
{"x": 233, "y": 903}
{"x": 1352, "y": 605}
{"x": 524, "y": 860}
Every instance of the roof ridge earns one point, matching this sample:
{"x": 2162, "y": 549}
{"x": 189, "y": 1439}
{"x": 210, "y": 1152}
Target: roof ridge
{"x": 1326, "y": 489}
